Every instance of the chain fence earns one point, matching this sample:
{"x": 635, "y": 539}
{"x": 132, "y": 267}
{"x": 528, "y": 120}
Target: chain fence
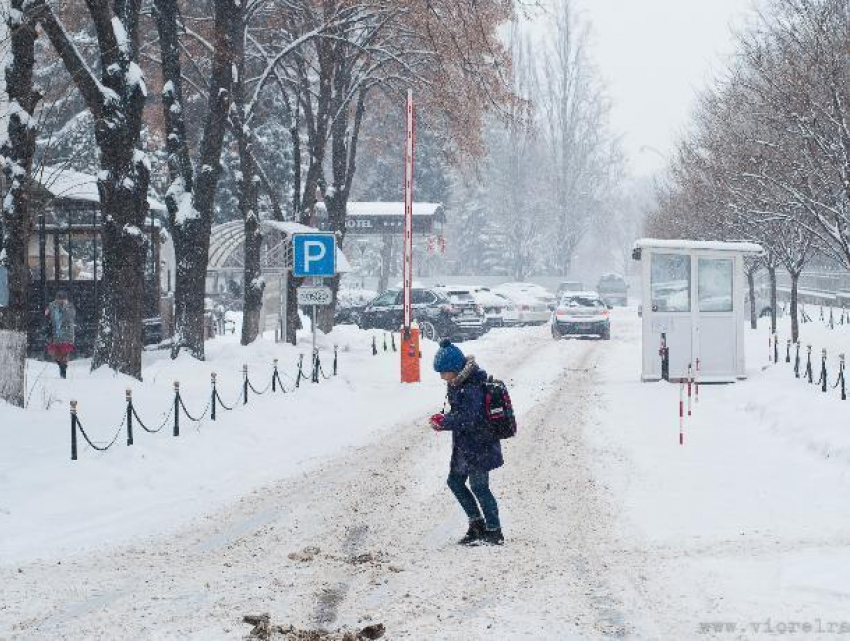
{"x": 178, "y": 408}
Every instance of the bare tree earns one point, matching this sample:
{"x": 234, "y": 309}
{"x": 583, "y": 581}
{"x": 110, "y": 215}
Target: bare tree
{"x": 17, "y": 147}
{"x": 191, "y": 195}
{"x": 116, "y": 100}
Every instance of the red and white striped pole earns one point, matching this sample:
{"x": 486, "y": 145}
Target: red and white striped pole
{"x": 696, "y": 384}
{"x": 690, "y": 385}
{"x": 681, "y": 414}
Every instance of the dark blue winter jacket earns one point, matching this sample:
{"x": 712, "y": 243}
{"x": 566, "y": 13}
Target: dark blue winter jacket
{"x": 473, "y": 446}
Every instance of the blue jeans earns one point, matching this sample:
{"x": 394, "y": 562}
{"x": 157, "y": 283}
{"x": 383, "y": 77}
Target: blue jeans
{"x": 479, "y": 483}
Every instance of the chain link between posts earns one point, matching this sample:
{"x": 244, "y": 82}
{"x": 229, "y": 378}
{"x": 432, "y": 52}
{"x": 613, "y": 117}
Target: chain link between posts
{"x": 178, "y": 405}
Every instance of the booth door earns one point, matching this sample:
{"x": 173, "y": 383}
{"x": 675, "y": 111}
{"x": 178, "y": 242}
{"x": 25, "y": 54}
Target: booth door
{"x": 671, "y": 313}
{"x": 715, "y": 336}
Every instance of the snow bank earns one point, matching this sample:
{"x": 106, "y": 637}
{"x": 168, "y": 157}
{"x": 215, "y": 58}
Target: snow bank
{"x": 749, "y": 518}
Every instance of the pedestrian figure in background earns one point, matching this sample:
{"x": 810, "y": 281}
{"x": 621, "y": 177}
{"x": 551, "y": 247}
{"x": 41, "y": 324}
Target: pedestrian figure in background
{"x": 475, "y": 450}
{"x": 61, "y": 319}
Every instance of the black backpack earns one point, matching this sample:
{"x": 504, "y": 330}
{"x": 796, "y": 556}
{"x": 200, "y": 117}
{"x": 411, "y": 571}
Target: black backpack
{"x": 498, "y": 410}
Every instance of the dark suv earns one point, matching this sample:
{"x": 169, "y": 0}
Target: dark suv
{"x": 438, "y": 317}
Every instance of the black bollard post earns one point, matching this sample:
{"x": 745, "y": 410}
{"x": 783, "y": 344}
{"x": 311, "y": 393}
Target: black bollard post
{"x": 831, "y": 320}
{"x": 336, "y": 358}
{"x": 73, "y": 430}
{"x": 213, "y": 399}
{"x": 841, "y": 377}
{"x": 775, "y": 348}
{"x": 374, "y": 346}
{"x": 823, "y": 371}
{"x": 809, "y": 373}
{"x": 788, "y": 351}
{"x": 821, "y": 312}
{"x": 392, "y": 338}
{"x": 316, "y": 366}
{"x": 128, "y": 395}
{"x": 385, "y": 341}
{"x": 797, "y": 362}
{"x": 664, "y": 352}
{"x": 274, "y": 376}
{"x": 176, "y": 408}
{"x": 244, "y": 385}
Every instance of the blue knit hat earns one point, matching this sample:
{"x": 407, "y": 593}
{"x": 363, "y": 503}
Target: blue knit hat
{"x": 449, "y": 358}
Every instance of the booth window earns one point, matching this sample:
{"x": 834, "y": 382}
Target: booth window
{"x": 715, "y": 285}
{"x": 671, "y": 283}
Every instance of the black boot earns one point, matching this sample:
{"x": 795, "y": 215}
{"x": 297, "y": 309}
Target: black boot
{"x": 63, "y": 370}
{"x": 493, "y": 537}
{"x": 475, "y": 532}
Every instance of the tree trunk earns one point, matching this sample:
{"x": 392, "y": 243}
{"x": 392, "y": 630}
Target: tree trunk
{"x": 116, "y": 101}
{"x": 13, "y": 362}
{"x": 386, "y": 264}
{"x": 191, "y": 226}
{"x": 772, "y": 273}
{"x": 17, "y": 154}
{"x": 751, "y": 283}
{"x": 253, "y": 283}
{"x": 293, "y": 320}
{"x": 795, "y": 325}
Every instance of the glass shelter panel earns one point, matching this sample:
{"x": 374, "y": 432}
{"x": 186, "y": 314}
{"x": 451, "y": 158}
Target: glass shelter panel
{"x": 715, "y": 284}
{"x": 671, "y": 283}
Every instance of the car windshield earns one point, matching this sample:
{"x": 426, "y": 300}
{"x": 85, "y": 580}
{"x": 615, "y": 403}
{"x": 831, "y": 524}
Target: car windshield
{"x": 580, "y": 301}
{"x": 385, "y": 299}
{"x": 463, "y": 297}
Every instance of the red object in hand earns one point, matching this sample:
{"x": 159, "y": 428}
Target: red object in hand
{"x": 437, "y": 421}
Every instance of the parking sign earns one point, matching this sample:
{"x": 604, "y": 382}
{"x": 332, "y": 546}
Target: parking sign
{"x": 313, "y": 255}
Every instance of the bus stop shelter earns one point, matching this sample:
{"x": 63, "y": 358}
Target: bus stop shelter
{"x": 693, "y": 303}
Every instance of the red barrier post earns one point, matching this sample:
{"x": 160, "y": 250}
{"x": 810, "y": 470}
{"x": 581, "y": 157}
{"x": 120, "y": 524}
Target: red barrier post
{"x": 690, "y": 385}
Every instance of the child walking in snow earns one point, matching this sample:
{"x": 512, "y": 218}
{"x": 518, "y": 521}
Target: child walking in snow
{"x": 475, "y": 450}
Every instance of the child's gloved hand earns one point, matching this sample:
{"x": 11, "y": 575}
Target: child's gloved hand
{"x": 437, "y": 422}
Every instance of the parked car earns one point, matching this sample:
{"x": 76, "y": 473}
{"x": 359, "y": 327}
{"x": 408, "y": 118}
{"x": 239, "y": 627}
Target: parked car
{"x": 349, "y": 305}
{"x": 581, "y": 313}
{"x": 462, "y": 298}
{"x": 569, "y": 286}
{"x": 499, "y": 311}
{"x": 533, "y": 303}
{"x": 437, "y": 315}
{"x": 496, "y": 310}
{"x": 613, "y": 289}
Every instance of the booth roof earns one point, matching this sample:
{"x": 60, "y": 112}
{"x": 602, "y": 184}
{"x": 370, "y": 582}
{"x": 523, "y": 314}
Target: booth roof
{"x": 68, "y": 184}
{"x": 705, "y": 245}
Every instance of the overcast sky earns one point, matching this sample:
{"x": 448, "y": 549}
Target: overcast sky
{"x": 654, "y": 55}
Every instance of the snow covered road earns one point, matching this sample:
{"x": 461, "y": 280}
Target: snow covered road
{"x": 613, "y": 530}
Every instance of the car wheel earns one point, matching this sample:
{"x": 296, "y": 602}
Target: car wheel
{"x": 428, "y": 330}
{"x": 606, "y": 335}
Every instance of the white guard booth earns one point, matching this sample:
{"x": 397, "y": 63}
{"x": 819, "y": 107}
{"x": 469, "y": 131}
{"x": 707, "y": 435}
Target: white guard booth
{"x": 693, "y": 295}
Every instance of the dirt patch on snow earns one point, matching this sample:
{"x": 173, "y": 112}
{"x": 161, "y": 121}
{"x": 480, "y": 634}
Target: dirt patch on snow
{"x": 265, "y": 630}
